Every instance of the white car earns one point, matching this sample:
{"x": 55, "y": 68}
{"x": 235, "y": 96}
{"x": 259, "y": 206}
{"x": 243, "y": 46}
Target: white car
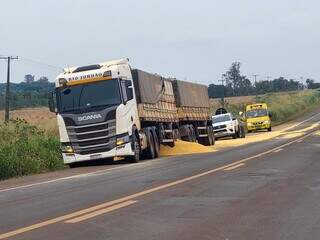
{"x": 226, "y": 125}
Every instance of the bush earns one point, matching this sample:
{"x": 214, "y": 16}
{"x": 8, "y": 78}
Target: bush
{"x": 24, "y": 149}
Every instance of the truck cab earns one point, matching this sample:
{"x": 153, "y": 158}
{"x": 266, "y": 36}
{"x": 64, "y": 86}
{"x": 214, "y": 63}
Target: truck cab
{"x": 258, "y": 117}
{"x": 96, "y": 111}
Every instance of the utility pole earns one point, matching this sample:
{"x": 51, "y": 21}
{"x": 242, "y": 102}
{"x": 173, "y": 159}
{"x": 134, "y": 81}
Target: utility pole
{"x": 7, "y": 106}
{"x": 255, "y": 84}
{"x": 223, "y": 91}
{"x": 302, "y": 84}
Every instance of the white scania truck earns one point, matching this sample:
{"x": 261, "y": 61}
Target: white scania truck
{"x": 110, "y": 110}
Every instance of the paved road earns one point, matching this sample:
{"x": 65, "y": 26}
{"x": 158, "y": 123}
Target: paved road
{"x": 269, "y": 190}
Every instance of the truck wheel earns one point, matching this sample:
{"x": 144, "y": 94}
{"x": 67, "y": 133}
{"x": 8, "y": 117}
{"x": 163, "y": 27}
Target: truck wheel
{"x": 150, "y": 151}
{"x": 135, "y": 145}
{"x": 269, "y": 129}
{"x": 156, "y": 145}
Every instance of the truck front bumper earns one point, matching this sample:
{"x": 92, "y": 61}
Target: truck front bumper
{"x": 119, "y": 151}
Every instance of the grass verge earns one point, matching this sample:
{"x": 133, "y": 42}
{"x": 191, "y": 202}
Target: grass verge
{"x": 24, "y": 149}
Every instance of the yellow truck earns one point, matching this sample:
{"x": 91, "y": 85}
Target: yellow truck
{"x": 257, "y": 117}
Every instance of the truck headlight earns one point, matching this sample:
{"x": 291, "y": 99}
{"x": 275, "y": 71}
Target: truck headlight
{"x": 66, "y": 148}
{"x": 266, "y": 122}
{"x": 249, "y": 124}
{"x": 123, "y": 140}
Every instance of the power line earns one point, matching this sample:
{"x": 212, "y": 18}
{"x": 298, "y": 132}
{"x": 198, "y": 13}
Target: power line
{"x": 7, "y": 106}
{"x": 41, "y": 63}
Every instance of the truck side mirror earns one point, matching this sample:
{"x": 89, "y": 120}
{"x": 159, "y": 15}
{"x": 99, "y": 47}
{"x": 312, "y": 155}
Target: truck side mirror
{"x": 51, "y": 102}
{"x": 270, "y": 115}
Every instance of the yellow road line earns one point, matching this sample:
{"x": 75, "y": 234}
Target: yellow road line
{"x": 234, "y": 167}
{"x": 100, "y": 212}
{"x": 142, "y": 193}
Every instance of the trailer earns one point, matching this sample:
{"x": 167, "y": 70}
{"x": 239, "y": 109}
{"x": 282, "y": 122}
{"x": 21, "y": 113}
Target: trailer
{"x": 111, "y": 110}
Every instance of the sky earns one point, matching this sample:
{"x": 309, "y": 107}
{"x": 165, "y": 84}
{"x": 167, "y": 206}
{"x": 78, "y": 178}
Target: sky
{"x": 191, "y": 40}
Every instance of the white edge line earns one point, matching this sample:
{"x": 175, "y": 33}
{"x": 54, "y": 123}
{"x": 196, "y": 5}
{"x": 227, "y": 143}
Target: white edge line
{"x": 70, "y": 177}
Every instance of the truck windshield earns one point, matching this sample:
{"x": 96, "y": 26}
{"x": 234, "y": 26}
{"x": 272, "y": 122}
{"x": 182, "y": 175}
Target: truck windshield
{"x": 257, "y": 113}
{"x": 88, "y": 96}
{"x": 222, "y": 118}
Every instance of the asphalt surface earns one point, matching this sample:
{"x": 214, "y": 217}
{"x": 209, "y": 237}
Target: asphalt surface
{"x": 268, "y": 190}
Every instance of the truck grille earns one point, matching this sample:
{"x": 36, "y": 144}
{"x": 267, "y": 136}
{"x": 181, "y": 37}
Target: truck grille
{"x": 93, "y": 138}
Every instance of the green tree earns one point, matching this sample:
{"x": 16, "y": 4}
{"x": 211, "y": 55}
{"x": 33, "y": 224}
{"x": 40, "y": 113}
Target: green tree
{"x": 43, "y": 79}
{"x": 311, "y": 84}
{"x": 237, "y": 84}
{"x": 29, "y": 78}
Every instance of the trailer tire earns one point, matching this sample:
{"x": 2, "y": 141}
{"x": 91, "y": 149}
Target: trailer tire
{"x": 150, "y": 151}
{"x": 156, "y": 144}
{"x": 135, "y": 145}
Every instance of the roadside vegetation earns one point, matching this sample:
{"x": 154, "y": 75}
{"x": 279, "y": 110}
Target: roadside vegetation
{"x": 25, "y": 149}
{"x": 283, "y": 106}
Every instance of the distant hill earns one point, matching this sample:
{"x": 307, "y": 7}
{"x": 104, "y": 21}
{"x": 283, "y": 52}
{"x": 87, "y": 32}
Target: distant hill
{"x": 27, "y": 94}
